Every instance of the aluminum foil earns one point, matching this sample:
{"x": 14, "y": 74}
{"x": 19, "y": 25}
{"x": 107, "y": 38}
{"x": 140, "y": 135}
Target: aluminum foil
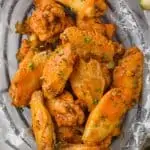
{"x": 133, "y": 29}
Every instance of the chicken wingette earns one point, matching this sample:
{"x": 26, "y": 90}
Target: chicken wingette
{"x": 27, "y": 78}
{"x": 88, "y": 82}
{"x": 128, "y": 74}
{"x": 90, "y": 44}
{"x": 42, "y": 124}
{"x": 69, "y": 134}
{"x": 65, "y": 111}
{"x": 115, "y": 103}
{"x": 57, "y": 71}
{"x": 96, "y": 26}
{"x": 48, "y": 20}
{"x": 81, "y": 147}
{"x": 86, "y": 8}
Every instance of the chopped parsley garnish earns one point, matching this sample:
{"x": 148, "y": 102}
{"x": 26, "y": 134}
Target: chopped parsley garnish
{"x": 61, "y": 74}
{"x": 135, "y": 84}
{"x": 31, "y": 66}
{"x": 105, "y": 57}
{"x": 99, "y": 90}
{"x": 111, "y": 65}
{"x": 87, "y": 40}
{"x": 95, "y": 101}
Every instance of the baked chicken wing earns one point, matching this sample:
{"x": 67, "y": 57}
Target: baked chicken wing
{"x": 95, "y": 25}
{"x": 81, "y": 147}
{"x": 41, "y": 123}
{"x": 24, "y": 49}
{"x": 57, "y": 71}
{"x": 128, "y": 74}
{"x": 87, "y": 82}
{"x": 89, "y": 44}
{"x": 70, "y": 134}
{"x": 48, "y": 20}
{"x": 65, "y": 111}
{"x": 114, "y": 104}
{"x": 106, "y": 116}
{"x": 86, "y": 8}
{"x": 27, "y": 78}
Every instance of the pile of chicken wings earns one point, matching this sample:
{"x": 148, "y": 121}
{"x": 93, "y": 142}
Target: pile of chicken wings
{"x": 78, "y": 82}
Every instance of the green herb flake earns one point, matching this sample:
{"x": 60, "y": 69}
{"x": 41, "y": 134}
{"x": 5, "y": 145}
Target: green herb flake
{"x": 105, "y": 57}
{"x": 99, "y": 90}
{"x": 61, "y": 74}
{"x": 87, "y": 40}
{"x": 96, "y": 126}
{"x": 31, "y": 66}
{"x": 135, "y": 84}
{"x": 95, "y": 101}
{"x": 111, "y": 65}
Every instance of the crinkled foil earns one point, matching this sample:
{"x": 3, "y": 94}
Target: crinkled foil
{"x": 132, "y": 29}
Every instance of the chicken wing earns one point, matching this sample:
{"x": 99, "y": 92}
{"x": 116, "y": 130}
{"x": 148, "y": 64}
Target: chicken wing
{"x": 57, "y": 71}
{"x": 106, "y": 116}
{"x": 96, "y": 26}
{"x": 86, "y": 8}
{"x": 128, "y": 74}
{"x": 41, "y": 123}
{"x": 24, "y": 49}
{"x": 89, "y": 44}
{"x": 27, "y": 78}
{"x": 112, "y": 107}
{"x": 69, "y": 134}
{"x": 48, "y": 20}
{"x": 65, "y": 111}
{"x": 42, "y": 3}
{"x": 87, "y": 82}
{"x": 81, "y": 147}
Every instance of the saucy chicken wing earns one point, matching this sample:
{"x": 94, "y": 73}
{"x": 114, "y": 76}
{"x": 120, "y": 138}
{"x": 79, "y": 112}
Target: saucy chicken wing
{"x": 27, "y": 78}
{"x": 57, "y": 71}
{"x": 87, "y": 82}
{"x": 42, "y": 123}
{"x": 65, "y": 111}
{"x": 114, "y": 104}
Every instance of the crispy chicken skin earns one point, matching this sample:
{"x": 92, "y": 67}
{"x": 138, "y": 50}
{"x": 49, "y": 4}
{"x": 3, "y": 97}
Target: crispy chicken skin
{"x": 115, "y": 103}
{"x": 89, "y": 44}
{"x": 87, "y": 82}
{"x": 57, "y": 71}
{"x": 96, "y": 26}
{"x": 86, "y": 8}
{"x": 24, "y": 49}
{"x": 48, "y": 20}
{"x": 65, "y": 111}
{"x": 27, "y": 78}
{"x": 106, "y": 116}
{"x": 41, "y": 123}
{"x": 128, "y": 74}
{"x": 42, "y": 3}
{"x": 81, "y": 147}
{"x": 70, "y": 134}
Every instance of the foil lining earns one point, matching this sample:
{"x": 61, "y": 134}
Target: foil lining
{"x": 133, "y": 29}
